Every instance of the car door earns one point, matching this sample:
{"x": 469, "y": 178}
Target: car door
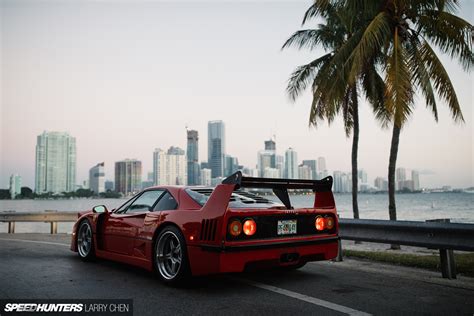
{"x": 121, "y": 226}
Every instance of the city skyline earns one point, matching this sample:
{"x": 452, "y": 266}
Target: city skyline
{"x": 88, "y": 73}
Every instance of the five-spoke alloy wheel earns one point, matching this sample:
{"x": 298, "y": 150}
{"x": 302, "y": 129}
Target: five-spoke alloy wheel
{"x": 171, "y": 261}
{"x": 85, "y": 244}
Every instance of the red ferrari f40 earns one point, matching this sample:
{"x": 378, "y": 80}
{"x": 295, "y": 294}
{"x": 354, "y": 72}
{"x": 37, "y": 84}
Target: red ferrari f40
{"x": 188, "y": 231}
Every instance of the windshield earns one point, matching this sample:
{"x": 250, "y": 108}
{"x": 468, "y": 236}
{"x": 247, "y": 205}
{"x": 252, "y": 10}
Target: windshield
{"x": 239, "y": 198}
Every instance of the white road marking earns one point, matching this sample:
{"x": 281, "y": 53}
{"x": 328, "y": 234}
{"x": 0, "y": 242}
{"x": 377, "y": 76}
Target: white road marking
{"x": 306, "y": 298}
{"x": 36, "y": 242}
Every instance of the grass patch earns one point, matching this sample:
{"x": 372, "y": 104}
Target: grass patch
{"x": 464, "y": 261}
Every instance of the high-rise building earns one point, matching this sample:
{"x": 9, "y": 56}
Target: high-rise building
{"x": 337, "y": 181}
{"x": 265, "y": 159}
{"x": 170, "y": 168}
{"x": 193, "y": 157}
{"x": 231, "y": 165}
{"x": 128, "y": 176}
{"x": 280, "y": 165}
{"x": 415, "y": 177}
{"x": 381, "y": 184}
{"x": 15, "y": 185}
{"x": 109, "y": 185}
{"x": 216, "y": 147}
{"x": 322, "y": 170}
{"x": 271, "y": 173}
{"x": 346, "y": 182}
{"x": 312, "y": 164}
{"x": 321, "y": 164}
{"x": 97, "y": 178}
{"x": 304, "y": 172}
{"x": 206, "y": 177}
{"x": 270, "y": 145}
{"x": 400, "y": 176}
{"x": 362, "y": 175}
{"x": 291, "y": 164}
{"x": 55, "y": 163}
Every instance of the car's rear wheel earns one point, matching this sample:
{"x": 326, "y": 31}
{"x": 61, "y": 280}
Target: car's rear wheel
{"x": 85, "y": 243}
{"x": 171, "y": 261}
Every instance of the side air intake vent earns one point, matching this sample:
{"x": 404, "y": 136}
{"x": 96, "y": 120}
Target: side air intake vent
{"x": 208, "y": 229}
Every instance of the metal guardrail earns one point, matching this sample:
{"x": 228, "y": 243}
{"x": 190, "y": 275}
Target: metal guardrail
{"x": 437, "y": 234}
{"x": 52, "y": 217}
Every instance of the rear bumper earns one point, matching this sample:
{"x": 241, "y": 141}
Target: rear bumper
{"x": 284, "y": 244}
{"x": 207, "y": 259}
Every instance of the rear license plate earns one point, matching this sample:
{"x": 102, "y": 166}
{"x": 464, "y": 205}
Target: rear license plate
{"x": 287, "y": 227}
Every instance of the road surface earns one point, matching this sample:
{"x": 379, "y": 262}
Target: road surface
{"x": 42, "y": 266}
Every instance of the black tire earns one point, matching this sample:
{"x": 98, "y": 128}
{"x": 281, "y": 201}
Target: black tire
{"x": 85, "y": 241}
{"x": 170, "y": 257}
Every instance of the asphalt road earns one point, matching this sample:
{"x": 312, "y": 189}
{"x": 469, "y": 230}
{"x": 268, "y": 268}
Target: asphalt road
{"x": 42, "y": 266}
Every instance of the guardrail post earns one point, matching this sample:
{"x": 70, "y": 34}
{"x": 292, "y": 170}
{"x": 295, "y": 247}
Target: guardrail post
{"x": 446, "y": 256}
{"x": 11, "y": 227}
{"x": 339, "y": 252}
{"x": 54, "y": 227}
{"x": 448, "y": 265}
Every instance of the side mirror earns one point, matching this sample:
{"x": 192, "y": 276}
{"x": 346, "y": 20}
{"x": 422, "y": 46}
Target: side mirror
{"x": 100, "y": 209}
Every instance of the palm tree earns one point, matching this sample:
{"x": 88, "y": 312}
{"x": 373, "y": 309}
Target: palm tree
{"x": 329, "y": 74}
{"x": 406, "y": 33}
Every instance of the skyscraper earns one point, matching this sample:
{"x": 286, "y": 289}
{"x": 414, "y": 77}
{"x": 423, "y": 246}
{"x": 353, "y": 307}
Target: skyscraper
{"x": 15, "y": 185}
{"x": 304, "y": 172}
{"x": 193, "y": 157}
{"x": 337, "y": 180}
{"x": 231, "y": 165}
{"x": 362, "y": 176}
{"x": 55, "y": 163}
{"x": 291, "y": 164}
{"x": 128, "y": 176}
{"x": 169, "y": 168}
{"x": 97, "y": 178}
{"x": 321, "y": 164}
{"x": 266, "y": 158}
{"x": 216, "y": 147}
{"x": 270, "y": 145}
{"x": 206, "y": 177}
{"x": 400, "y": 177}
{"x": 381, "y": 184}
{"x": 415, "y": 177}
{"x": 312, "y": 164}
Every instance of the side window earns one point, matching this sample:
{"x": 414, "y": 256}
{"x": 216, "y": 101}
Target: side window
{"x": 124, "y": 207}
{"x": 145, "y": 202}
{"x": 167, "y": 202}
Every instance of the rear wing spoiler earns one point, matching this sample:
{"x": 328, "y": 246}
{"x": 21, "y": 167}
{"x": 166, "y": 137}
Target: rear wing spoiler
{"x": 322, "y": 188}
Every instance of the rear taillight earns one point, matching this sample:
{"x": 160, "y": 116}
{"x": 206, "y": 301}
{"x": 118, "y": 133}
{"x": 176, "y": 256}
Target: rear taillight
{"x": 235, "y": 228}
{"x": 250, "y": 227}
{"x": 320, "y": 223}
{"x": 329, "y": 222}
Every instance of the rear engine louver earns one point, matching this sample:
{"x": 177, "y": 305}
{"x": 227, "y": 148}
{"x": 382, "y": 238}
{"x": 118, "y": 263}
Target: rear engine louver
{"x": 208, "y": 229}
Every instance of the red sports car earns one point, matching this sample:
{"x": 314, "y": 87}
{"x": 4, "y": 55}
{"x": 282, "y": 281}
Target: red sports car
{"x": 183, "y": 231}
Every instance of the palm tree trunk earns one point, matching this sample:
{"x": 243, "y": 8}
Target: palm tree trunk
{"x": 355, "y": 147}
{"x": 392, "y": 209}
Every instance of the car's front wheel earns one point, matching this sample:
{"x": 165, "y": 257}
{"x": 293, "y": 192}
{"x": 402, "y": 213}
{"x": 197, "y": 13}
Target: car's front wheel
{"x": 171, "y": 261}
{"x": 85, "y": 244}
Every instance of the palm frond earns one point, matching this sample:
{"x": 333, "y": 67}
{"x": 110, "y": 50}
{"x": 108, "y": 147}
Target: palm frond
{"x": 421, "y": 77}
{"x": 441, "y": 81}
{"x": 303, "y": 75}
{"x": 399, "y": 90}
{"x": 451, "y": 34}
{"x": 374, "y": 38}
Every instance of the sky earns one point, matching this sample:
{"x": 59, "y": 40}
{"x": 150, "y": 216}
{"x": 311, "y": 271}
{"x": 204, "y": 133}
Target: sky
{"x": 126, "y": 77}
